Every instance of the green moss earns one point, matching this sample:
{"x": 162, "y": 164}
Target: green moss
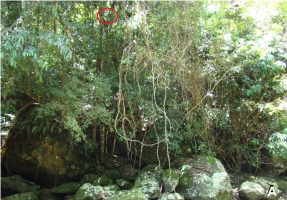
{"x": 186, "y": 179}
{"x": 104, "y": 181}
{"x": 170, "y": 180}
{"x": 211, "y": 160}
{"x": 167, "y": 173}
{"x": 114, "y": 175}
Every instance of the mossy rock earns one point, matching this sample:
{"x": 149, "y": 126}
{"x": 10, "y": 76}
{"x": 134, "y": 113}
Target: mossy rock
{"x": 171, "y": 196}
{"x": 88, "y": 191}
{"x": 178, "y": 163}
{"x": 211, "y": 160}
{"x": 103, "y": 181}
{"x": 89, "y": 178}
{"x": 209, "y": 163}
{"x": 128, "y": 173}
{"x": 150, "y": 172}
{"x": 186, "y": 179}
{"x": 223, "y": 196}
{"x": 203, "y": 177}
{"x": 22, "y": 196}
{"x": 113, "y": 174}
{"x": 124, "y": 185}
{"x": 134, "y": 194}
{"x": 256, "y": 187}
{"x": 170, "y": 180}
{"x": 66, "y": 188}
{"x": 149, "y": 187}
{"x": 16, "y": 184}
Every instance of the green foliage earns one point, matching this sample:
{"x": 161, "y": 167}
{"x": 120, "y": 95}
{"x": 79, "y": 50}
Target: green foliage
{"x": 278, "y": 144}
{"x": 209, "y": 76}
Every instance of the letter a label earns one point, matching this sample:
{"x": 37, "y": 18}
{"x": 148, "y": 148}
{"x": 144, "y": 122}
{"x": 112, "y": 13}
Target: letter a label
{"x": 271, "y": 191}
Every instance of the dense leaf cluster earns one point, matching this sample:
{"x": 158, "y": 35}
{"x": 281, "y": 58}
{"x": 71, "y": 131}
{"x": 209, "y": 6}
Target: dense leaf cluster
{"x": 206, "y": 77}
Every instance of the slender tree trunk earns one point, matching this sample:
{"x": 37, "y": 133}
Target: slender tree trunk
{"x": 103, "y": 145}
{"x": 235, "y": 128}
{"x": 97, "y": 147}
{"x": 58, "y": 55}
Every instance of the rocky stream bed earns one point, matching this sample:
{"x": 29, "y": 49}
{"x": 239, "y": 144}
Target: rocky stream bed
{"x": 193, "y": 178}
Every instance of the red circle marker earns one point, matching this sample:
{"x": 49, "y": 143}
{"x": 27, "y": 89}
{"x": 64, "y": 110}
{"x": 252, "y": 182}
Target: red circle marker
{"x": 103, "y": 9}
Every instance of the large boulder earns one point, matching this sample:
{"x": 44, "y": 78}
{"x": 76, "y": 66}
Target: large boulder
{"x": 170, "y": 180}
{"x": 150, "y": 172}
{"x": 257, "y": 188}
{"x": 202, "y": 178}
{"x": 148, "y": 181}
{"x": 47, "y": 160}
{"x": 128, "y": 173}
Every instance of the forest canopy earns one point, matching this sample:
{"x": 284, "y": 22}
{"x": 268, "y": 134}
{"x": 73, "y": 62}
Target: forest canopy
{"x": 199, "y": 76}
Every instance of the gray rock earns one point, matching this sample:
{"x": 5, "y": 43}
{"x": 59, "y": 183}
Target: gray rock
{"x": 257, "y": 187}
{"x": 148, "y": 180}
{"x": 149, "y": 188}
{"x": 134, "y": 194}
{"x": 88, "y": 191}
{"x": 170, "y": 180}
{"x": 203, "y": 178}
{"x": 150, "y": 172}
{"x": 251, "y": 191}
{"x": 171, "y": 196}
